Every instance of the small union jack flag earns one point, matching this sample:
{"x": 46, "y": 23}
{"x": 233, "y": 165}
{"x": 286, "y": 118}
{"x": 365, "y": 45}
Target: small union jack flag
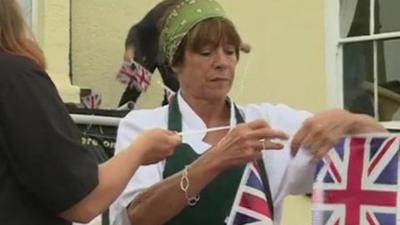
{"x": 134, "y": 75}
{"x": 92, "y": 101}
{"x": 358, "y": 183}
{"x": 251, "y": 204}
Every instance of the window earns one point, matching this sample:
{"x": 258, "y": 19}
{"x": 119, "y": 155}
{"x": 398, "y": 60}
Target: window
{"x": 363, "y": 56}
{"x": 29, "y": 10}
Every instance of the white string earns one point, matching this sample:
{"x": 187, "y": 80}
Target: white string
{"x": 243, "y": 77}
{"x": 273, "y": 140}
{"x": 165, "y": 87}
{"x": 192, "y": 132}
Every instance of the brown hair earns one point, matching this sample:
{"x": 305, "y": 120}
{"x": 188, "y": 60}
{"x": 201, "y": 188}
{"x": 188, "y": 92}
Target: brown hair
{"x": 15, "y": 37}
{"x": 213, "y": 31}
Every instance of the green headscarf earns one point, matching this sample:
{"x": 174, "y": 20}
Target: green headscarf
{"x": 182, "y": 19}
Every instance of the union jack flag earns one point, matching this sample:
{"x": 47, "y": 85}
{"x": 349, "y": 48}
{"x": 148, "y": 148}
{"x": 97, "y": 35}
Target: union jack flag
{"x": 135, "y": 75}
{"x": 251, "y": 204}
{"x": 92, "y": 101}
{"x": 358, "y": 183}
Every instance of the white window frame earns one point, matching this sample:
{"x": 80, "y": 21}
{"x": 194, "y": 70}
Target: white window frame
{"x": 334, "y": 55}
{"x": 33, "y": 15}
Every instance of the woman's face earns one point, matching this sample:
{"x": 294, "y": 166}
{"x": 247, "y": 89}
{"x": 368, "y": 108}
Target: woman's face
{"x": 209, "y": 73}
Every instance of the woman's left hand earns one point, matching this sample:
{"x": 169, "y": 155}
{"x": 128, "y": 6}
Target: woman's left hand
{"x": 323, "y": 131}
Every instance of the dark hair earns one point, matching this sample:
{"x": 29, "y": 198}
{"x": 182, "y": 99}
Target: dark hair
{"x": 143, "y": 36}
{"x": 213, "y": 31}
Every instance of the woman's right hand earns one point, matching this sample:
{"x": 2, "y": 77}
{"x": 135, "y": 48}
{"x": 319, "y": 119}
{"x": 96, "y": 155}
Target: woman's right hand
{"x": 245, "y": 142}
{"x": 155, "y": 145}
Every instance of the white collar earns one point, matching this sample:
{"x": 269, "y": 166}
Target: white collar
{"x": 192, "y": 122}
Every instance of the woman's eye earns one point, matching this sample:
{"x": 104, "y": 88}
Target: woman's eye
{"x": 205, "y": 52}
{"x": 230, "y": 51}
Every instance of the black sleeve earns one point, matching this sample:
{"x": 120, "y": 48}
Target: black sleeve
{"x": 43, "y": 144}
{"x": 130, "y": 94}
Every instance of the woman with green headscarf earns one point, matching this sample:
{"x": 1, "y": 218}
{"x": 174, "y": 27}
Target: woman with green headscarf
{"x": 199, "y": 182}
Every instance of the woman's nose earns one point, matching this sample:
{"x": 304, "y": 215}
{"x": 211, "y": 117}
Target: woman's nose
{"x": 222, "y": 58}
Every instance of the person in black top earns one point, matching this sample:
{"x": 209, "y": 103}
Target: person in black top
{"x": 141, "y": 47}
{"x": 46, "y": 175}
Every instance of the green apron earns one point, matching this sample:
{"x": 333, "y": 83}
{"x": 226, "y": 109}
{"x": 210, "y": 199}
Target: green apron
{"x": 217, "y": 198}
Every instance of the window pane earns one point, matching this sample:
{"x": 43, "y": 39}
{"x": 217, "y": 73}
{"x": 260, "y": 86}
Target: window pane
{"x": 389, "y": 79}
{"x": 358, "y": 77}
{"x": 355, "y": 18}
{"x": 26, "y": 7}
{"x": 387, "y": 16}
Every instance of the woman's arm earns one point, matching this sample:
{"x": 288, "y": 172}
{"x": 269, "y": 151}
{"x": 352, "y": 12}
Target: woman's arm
{"x": 150, "y": 147}
{"x": 167, "y": 197}
{"x": 240, "y": 146}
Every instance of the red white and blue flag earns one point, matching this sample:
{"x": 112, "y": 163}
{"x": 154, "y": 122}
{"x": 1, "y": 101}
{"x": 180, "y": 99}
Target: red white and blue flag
{"x": 91, "y": 101}
{"x": 358, "y": 183}
{"x": 251, "y": 206}
{"x": 135, "y": 75}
